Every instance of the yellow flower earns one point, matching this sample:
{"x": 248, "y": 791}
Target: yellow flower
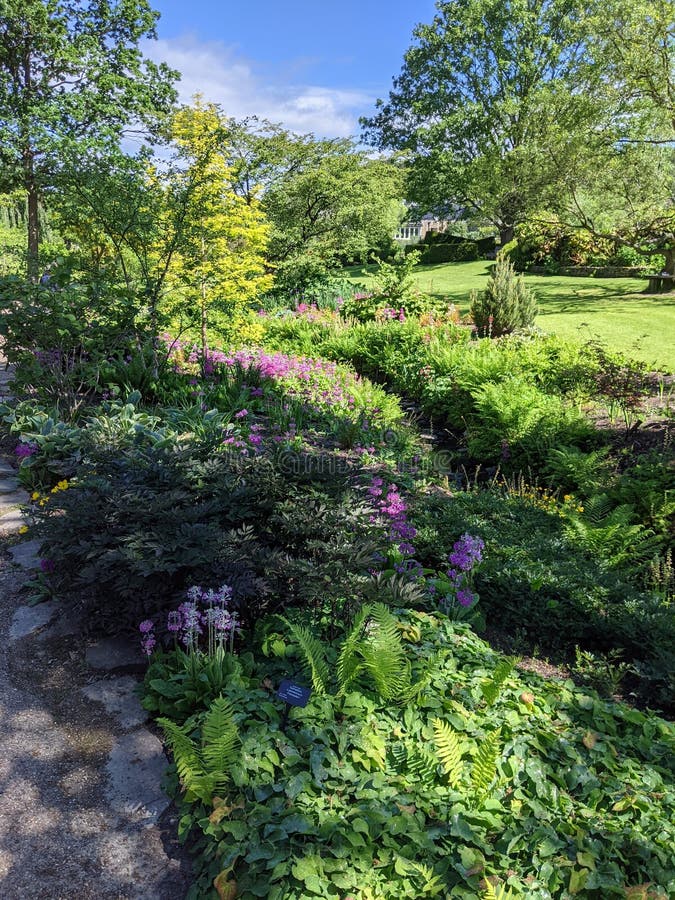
{"x": 62, "y": 485}
{"x": 35, "y": 495}
{"x": 23, "y": 529}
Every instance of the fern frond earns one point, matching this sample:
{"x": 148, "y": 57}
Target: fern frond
{"x": 484, "y": 767}
{"x": 449, "y": 750}
{"x": 314, "y": 654}
{"x": 491, "y": 689}
{"x": 422, "y": 764}
{"x": 491, "y": 894}
{"x": 187, "y": 759}
{"x": 384, "y": 655}
{"x": 220, "y": 741}
{"x": 400, "y": 755}
{"x": 349, "y": 661}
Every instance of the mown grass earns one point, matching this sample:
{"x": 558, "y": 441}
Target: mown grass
{"x": 614, "y": 310}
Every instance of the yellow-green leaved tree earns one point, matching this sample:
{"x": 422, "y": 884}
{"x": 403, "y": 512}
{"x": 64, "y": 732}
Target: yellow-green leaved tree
{"x": 220, "y": 266}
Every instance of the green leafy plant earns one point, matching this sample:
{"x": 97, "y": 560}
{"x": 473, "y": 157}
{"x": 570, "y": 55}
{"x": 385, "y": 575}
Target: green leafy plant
{"x": 449, "y": 750}
{"x": 372, "y": 650}
{"x": 484, "y": 768}
{"x": 491, "y": 689}
{"x": 204, "y": 769}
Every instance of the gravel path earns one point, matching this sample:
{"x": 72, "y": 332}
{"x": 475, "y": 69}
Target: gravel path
{"x": 82, "y": 815}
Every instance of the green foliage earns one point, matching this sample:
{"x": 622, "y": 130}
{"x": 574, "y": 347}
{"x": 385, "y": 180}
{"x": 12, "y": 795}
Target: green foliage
{"x": 56, "y": 65}
{"x": 515, "y": 421}
{"x": 449, "y": 750}
{"x": 545, "y": 590}
{"x": 484, "y": 768}
{"x": 178, "y": 684}
{"x": 445, "y": 103}
{"x": 466, "y": 251}
{"x": 205, "y": 770}
{"x": 492, "y": 688}
{"x": 328, "y": 204}
{"x": 372, "y": 650}
{"x": 505, "y": 305}
{"x": 313, "y": 654}
{"x": 351, "y": 799}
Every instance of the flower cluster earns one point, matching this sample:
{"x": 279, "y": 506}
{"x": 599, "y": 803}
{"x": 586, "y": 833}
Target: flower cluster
{"x": 465, "y": 555}
{"x": 393, "y": 509}
{"x": 389, "y": 314}
{"x": 25, "y": 449}
{"x": 204, "y": 613}
{"x": 42, "y": 500}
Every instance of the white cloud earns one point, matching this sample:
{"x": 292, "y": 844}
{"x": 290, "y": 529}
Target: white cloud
{"x": 215, "y": 70}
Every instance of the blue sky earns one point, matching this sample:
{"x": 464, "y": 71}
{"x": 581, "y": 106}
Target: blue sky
{"x": 314, "y": 66}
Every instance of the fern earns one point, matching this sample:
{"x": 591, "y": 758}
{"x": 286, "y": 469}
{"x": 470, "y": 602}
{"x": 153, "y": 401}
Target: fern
{"x": 204, "y": 770}
{"x": 491, "y": 894}
{"x": 220, "y": 740}
{"x": 491, "y": 689}
{"x": 349, "y": 663}
{"x": 383, "y": 655}
{"x": 422, "y": 764}
{"x": 484, "y": 767}
{"x": 314, "y": 654}
{"x": 374, "y": 647}
{"x": 185, "y": 754}
{"x": 449, "y": 750}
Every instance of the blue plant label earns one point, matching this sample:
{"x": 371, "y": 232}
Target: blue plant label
{"x": 293, "y": 694}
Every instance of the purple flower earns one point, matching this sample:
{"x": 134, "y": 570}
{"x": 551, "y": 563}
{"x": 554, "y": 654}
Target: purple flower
{"x": 241, "y": 414}
{"x": 146, "y": 626}
{"x": 25, "y": 449}
{"x": 47, "y": 565}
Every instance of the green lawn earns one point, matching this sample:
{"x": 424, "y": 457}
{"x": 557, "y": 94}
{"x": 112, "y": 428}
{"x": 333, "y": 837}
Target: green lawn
{"x": 611, "y": 309}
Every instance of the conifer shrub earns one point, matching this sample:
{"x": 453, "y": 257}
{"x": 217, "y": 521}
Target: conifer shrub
{"x": 506, "y": 304}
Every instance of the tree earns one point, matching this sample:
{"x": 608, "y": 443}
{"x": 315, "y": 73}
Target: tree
{"x": 335, "y": 207}
{"x": 220, "y": 263}
{"x": 72, "y": 80}
{"x": 617, "y": 177}
{"x": 482, "y": 94}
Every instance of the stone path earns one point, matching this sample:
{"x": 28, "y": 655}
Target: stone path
{"x": 82, "y": 812}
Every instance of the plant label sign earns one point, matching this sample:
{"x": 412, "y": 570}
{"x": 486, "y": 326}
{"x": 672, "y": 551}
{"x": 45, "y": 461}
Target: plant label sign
{"x": 293, "y": 694}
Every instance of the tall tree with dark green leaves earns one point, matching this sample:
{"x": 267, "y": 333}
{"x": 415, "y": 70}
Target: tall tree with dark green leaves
{"x": 73, "y": 80}
{"x": 483, "y": 91}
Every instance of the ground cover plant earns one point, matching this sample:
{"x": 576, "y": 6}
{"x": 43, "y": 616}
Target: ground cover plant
{"x": 490, "y": 778}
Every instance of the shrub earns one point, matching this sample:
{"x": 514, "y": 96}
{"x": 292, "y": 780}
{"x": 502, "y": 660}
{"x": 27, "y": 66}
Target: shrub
{"x": 515, "y": 422}
{"x": 393, "y": 291}
{"x": 139, "y": 528}
{"x": 466, "y": 251}
{"x": 506, "y": 303}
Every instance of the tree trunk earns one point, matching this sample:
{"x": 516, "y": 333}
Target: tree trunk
{"x": 29, "y": 177}
{"x": 203, "y": 327}
{"x": 33, "y": 231}
{"x": 506, "y": 234}
{"x": 670, "y": 261}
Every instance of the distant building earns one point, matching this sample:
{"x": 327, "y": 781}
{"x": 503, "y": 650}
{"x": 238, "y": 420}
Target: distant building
{"x": 415, "y": 232}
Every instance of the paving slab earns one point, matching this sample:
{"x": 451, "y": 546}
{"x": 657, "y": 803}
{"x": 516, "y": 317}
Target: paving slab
{"x": 27, "y": 619}
{"x": 9, "y": 483}
{"x": 135, "y": 770}
{"x": 120, "y": 699}
{"x": 66, "y": 624}
{"x": 11, "y": 521}
{"x": 26, "y": 554}
{"x": 10, "y": 499}
{"x": 114, "y": 653}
